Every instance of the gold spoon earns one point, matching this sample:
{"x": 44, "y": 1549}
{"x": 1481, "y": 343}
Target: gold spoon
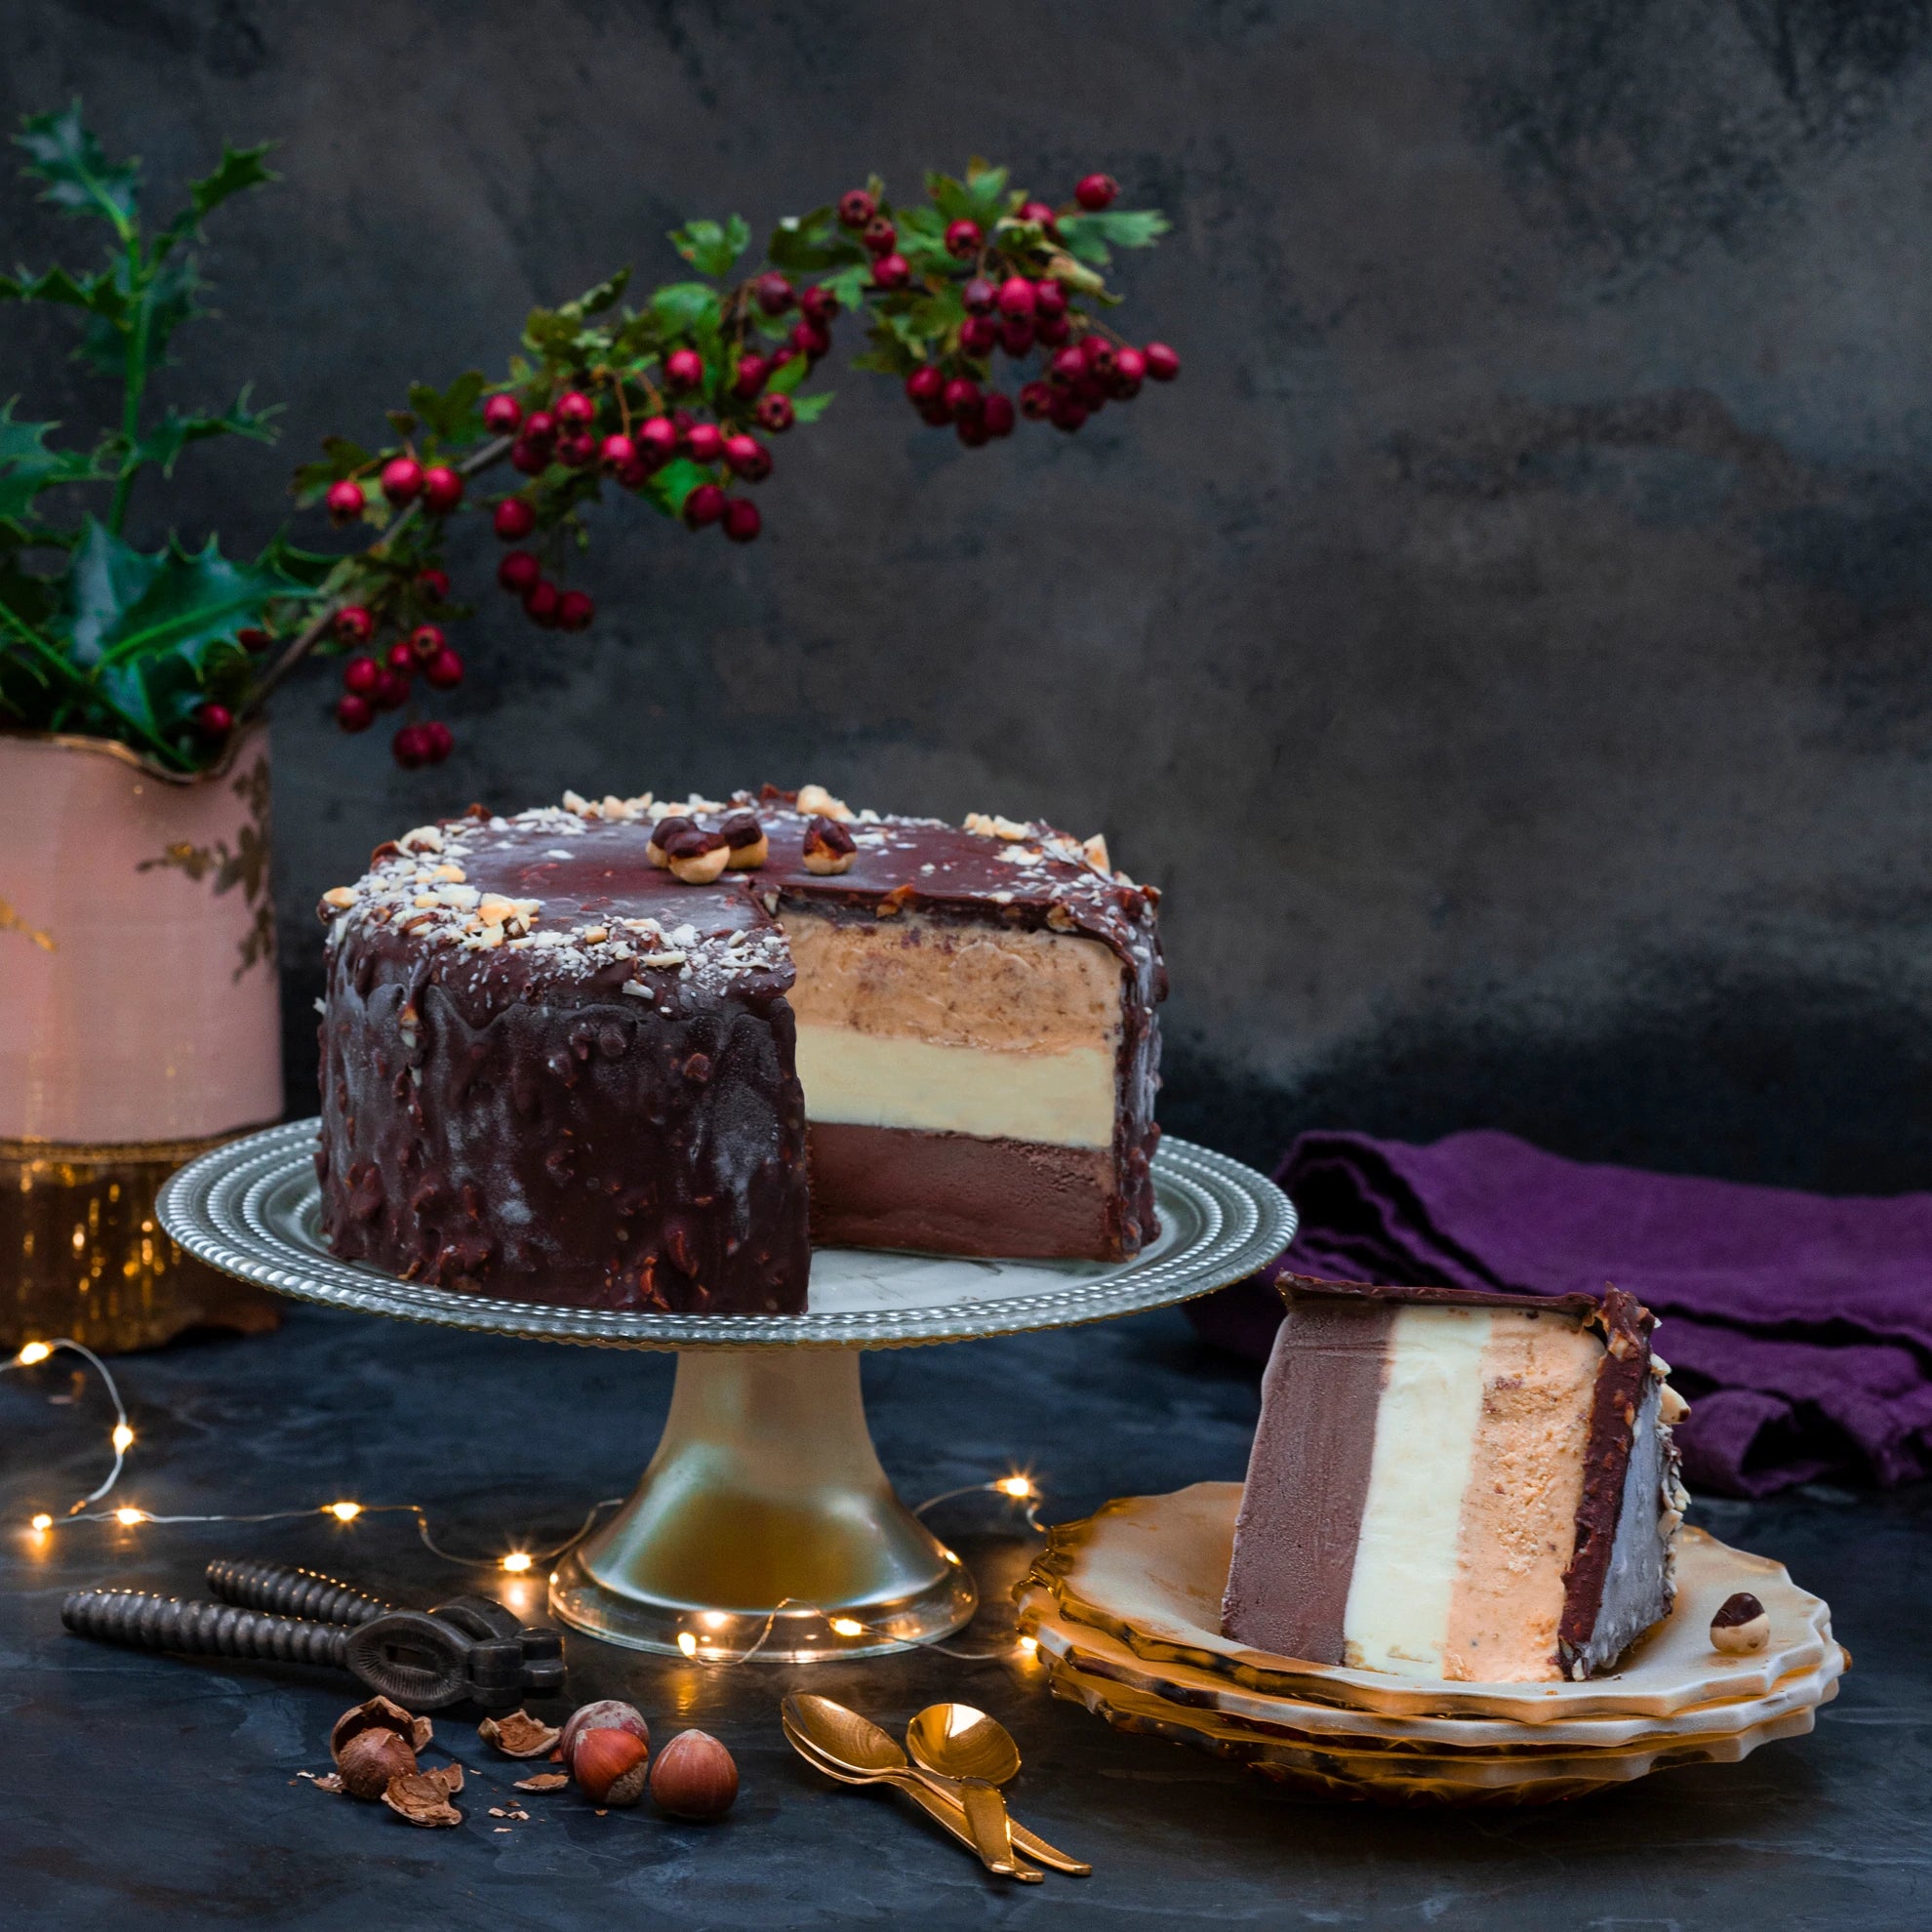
{"x": 856, "y": 1744}
{"x": 959, "y": 1741}
{"x": 947, "y": 1809}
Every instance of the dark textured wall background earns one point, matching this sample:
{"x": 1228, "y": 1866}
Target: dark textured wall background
{"x": 1506, "y": 644}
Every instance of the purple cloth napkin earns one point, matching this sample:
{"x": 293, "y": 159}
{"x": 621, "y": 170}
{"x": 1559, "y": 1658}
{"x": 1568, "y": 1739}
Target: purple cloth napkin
{"x": 1800, "y": 1327}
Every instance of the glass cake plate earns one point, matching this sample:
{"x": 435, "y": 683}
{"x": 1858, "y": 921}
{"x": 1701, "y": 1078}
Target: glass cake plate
{"x": 764, "y": 1518}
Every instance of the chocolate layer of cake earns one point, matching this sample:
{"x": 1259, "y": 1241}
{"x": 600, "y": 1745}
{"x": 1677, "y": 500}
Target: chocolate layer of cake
{"x": 554, "y": 1068}
{"x": 1455, "y": 1485}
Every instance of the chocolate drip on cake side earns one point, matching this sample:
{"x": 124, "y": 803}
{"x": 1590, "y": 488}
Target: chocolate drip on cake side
{"x": 1619, "y": 1398}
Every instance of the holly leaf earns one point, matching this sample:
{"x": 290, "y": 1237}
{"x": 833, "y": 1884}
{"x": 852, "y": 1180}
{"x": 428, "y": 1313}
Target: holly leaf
{"x": 808, "y": 408}
{"x": 339, "y": 458}
{"x": 449, "y": 414}
{"x": 78, "y": 177}
{"x": 1087, "y": 236}
{"x": 709, "y": 248}
{"x": 28, "y": 466}
{"x": 308, "y": 568}
{"x": 57, "y": 285}
{"x": 153, "y": 628}
{"x": 168, "y": 438}
{"x": 686, "y": 309}
{"x": 25, "y": 597}
{"x": 239, "y": 169}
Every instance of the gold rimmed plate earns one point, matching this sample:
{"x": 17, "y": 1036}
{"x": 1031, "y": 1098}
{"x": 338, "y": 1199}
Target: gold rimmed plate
{"x": 1150, "y": 1570}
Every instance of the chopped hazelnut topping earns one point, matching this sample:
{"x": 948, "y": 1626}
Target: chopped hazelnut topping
{"x": 341, "y": 896}
{"x": 814, "y": 801}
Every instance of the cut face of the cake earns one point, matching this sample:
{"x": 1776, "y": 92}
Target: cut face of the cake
{"x": 1476, "y": 1488}
{"x": 624, "y": 1053}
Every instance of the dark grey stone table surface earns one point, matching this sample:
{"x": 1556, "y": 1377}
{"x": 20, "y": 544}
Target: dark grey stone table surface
{"x": 141, "y": 1792}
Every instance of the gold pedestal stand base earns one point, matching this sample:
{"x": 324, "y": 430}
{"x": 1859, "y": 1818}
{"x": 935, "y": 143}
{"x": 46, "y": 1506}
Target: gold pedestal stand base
{"x": 764, "y": 1524}
{"x": 83, "y": 1255}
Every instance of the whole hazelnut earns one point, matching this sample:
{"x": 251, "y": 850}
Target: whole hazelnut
{"x": 697, "y": 857}
{"x": 610, "y": 1766}
{"x": 608, "y": 1714}
{"x": 828, "y": 847}
{"x": 693, "y": 1777}
{"x": 746, "y": 836}
{"x": 661, "y": 833}
{"x": 369, "y": 1759}
{"x": 1740, "y": 1626}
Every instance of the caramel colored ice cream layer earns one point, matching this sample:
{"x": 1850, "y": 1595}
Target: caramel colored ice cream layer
{"x": 915, "y": 1024}
{"x": 955, "y": 986}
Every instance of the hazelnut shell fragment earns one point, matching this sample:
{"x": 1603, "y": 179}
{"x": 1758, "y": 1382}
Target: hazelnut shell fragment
{"x": 610, "y": 1766}
{"x": 1740, "y": 1626}
{"x": 519, "y": 1735}
{"x": 544, "y": 1781}
{"x": 694, "y": 1777}
{"x": 378, "y": 1713}
{"x": 424, "y": 1796}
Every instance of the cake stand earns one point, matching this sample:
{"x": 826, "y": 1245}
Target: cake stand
{"x": 764, "y": 1523}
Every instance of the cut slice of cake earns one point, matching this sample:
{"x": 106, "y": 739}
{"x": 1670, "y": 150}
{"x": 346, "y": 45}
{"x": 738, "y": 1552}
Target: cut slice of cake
{"x": 1447, "y": 1484}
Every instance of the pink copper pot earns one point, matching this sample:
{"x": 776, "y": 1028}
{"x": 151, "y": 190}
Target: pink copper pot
{"x": 139, "y": 1022}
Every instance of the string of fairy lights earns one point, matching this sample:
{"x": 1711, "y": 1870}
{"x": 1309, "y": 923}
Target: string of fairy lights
{"x": 516, "y": 1563}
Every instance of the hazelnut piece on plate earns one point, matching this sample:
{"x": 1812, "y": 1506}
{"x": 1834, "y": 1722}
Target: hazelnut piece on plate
{"x": 657, "y": 848}
{"x": 746, "y": 836}
{"x": 1740, "y": 1626}
{"x": 828, "y": 848}
{"x": 693, "y": 1777}
{"x": 695, "y": 857}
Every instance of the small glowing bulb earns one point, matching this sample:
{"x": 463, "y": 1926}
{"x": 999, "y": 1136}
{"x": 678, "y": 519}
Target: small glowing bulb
{"x": 713, "y": 1620}
{"x": 343, "y": 1513}
{"x": 1015, "y": 1485}
{"x": 687, "y": 1643}
{"x": 130, "y": 1515}
{"x": 848, "y": 1627}
{"x": 123, "y": 1436}
{"x": 33, "y": 1352}
{"x": 516, "y": 1561}
{"x": 43, "y": 1523}
{"x": 949, "y": 1556}
{"x": 1028, "y": 1646}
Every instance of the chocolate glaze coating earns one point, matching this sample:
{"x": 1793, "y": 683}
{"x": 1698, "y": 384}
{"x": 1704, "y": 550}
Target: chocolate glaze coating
{"x": 591, "y": 1099}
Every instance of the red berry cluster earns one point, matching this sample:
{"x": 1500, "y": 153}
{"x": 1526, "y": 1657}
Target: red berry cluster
{"x": 675, "y": 401}
{"x": 1017, "y": 314}
{"x": 374, "y": 683}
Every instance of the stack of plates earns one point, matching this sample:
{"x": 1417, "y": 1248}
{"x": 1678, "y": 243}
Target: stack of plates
{"x": 1126, "y": 1609}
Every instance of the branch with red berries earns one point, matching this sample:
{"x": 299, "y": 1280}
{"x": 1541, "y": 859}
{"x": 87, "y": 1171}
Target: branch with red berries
{"x": 670, "y": 402}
